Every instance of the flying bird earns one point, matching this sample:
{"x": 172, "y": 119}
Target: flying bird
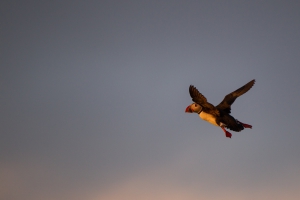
{"x": 218, "y": 115}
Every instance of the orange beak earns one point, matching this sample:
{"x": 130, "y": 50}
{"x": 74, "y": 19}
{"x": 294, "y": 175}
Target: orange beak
{"x": 188, "y": 109}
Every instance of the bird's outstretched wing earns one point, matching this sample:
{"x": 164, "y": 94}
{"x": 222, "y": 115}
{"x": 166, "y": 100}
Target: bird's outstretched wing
{"x": 198, "y": 98}
{"x": 228, "y": 100}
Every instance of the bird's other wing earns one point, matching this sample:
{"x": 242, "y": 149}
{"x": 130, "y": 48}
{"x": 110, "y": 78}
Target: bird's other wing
{"x": 198, "y": 98}
{"x": 228, "y": 100}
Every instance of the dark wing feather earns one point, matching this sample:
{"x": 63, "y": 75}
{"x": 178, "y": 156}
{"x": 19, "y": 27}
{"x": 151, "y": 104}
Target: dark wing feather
{"x": 228, "y": 100}
{"x": 198, "y": 98}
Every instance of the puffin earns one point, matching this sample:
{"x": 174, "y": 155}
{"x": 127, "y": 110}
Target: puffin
{"x": 219, "y": 115}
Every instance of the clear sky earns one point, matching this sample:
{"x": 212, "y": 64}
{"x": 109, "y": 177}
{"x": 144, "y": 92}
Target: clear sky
{"x": 93, "y": 95}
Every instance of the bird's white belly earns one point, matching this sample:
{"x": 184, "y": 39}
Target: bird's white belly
{"x": 208, "y": 117}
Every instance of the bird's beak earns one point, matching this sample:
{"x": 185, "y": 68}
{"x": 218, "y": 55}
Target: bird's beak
{"x": 188, "y": 109}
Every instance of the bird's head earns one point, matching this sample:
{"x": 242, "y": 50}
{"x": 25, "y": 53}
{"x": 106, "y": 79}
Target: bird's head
{"x": 193, "y": 108}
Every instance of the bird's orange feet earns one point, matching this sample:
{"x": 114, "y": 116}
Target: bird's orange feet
{"x": 227, "y": 134}
{"x": 245, "y": 125}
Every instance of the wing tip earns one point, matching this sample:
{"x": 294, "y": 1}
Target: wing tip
{"x": 192, "y": 86}
{"x": 252, "y": 82}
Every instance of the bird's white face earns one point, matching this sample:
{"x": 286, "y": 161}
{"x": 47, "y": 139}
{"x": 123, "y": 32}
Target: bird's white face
{"x": 196, "y": 108}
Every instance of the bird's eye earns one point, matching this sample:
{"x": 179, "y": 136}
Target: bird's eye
{"x": 196, "y": 105}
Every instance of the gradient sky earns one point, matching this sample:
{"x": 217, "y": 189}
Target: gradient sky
{"x": 93, "y": 95}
